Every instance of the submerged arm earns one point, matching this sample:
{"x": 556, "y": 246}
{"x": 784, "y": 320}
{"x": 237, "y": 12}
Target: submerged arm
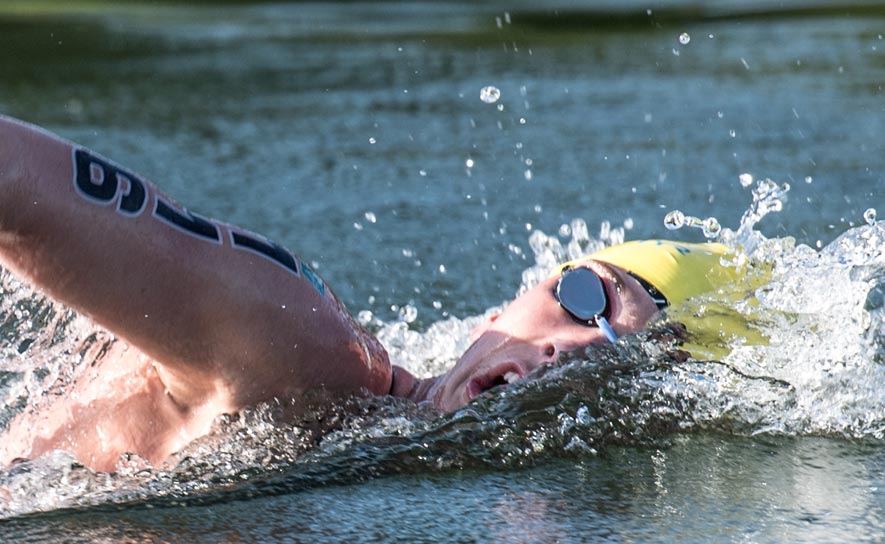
{"x": 230, "y": 316}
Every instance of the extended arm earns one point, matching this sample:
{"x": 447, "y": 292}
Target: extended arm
{"x": 229, "y": 316}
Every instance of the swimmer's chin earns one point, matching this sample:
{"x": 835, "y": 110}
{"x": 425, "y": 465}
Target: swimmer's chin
{"x": 418, "y": 390}
{"x": 431, "y": 391}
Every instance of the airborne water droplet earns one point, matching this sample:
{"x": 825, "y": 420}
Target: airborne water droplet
{"x": 365, "y": 317}
{"x": 408, "y": 313}
{"x": 711, "y": 228}
{"x": 870, "y": 216}
{"x": 489, "y": 94}
{"x": 684, "y": 38}
{"x": 674, "y": 220}
{"x": 746, "y": 180}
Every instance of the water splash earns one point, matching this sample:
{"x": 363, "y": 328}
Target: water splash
{"x": 807, "y": 329}
{"x": 768, "y": 197}
{"x": 43, "y": 345}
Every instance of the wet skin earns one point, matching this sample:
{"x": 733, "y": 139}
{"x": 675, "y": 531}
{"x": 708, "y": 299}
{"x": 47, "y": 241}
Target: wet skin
{"x": 166, "y": 289}
{"x": 532, "y": 331}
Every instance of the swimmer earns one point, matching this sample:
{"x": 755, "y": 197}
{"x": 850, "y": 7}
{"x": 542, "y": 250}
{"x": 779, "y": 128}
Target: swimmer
{"x": 213, "y": 318}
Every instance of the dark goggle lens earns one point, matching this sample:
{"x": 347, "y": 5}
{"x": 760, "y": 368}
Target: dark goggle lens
{"x": 581, "y": 293}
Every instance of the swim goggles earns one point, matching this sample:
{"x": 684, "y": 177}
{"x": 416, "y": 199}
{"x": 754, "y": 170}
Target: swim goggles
{"x": 580, "y": 293}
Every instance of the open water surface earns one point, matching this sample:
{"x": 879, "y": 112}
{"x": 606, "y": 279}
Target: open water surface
{"x": 356, "y": 135}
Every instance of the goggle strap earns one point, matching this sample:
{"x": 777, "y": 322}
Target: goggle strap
{"x": 606, "y": 329}
{"x": 659, "y": 299}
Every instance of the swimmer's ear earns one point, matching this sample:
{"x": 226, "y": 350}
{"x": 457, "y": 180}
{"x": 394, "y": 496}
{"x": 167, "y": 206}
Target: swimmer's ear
{"x": 483, "y": 327}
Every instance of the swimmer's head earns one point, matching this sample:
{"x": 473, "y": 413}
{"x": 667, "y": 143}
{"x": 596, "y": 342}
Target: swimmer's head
{"x": 535, "y": 328}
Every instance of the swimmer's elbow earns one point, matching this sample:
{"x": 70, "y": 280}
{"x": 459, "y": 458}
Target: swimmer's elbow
{"x": 19, "y": 143}
{"x": 12, "y": 172}
{"x": 10, "y": 149}
{"x": 379, "y": 380}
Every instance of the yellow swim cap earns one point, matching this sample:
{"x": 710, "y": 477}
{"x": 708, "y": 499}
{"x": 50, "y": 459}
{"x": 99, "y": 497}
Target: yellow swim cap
{"x": 678, "y": 270}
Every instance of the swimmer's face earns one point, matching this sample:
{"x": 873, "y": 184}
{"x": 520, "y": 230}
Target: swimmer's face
{"x": 533, "y": 330}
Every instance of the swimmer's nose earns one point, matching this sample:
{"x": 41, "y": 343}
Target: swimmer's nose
{"x": 514, "y": 371}
{"x": 544, "y": 354}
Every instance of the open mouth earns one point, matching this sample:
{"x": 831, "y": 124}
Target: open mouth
{"x": 501, "y": 375}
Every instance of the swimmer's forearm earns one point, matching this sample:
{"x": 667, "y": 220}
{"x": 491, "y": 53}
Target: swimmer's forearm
{"x": 216, "y": 305}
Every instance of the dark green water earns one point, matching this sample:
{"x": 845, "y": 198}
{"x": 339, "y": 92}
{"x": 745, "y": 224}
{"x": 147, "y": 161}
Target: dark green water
{"x": 344, "y": 131}
{"x": 263, "y": 115}
{"x": 703, "y": 489}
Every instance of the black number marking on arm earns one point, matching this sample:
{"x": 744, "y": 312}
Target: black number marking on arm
{"x": 100, "y": 181}
{"x": 265, "y": 248}
{"x": 185, "y": 221}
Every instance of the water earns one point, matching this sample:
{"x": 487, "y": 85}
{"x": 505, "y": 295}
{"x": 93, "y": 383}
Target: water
{"x": 357, "y": 136}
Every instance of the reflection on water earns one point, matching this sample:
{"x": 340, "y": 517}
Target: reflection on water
{"x": 708, "y": 487}
{"x": 358, "y": 136}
